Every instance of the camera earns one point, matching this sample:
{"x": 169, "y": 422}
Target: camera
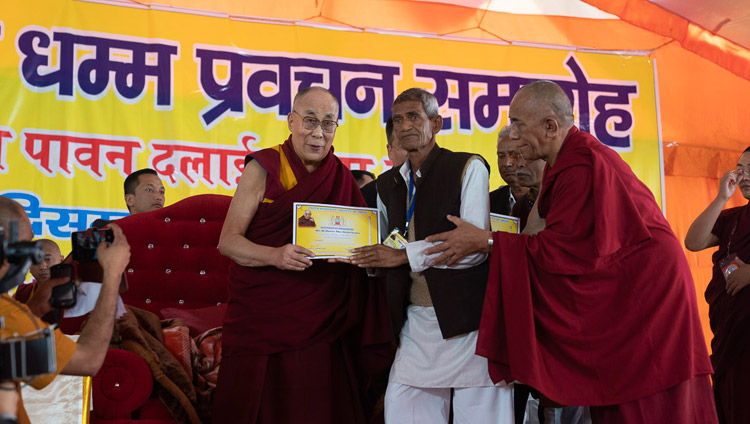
{"x": 85, "y": 243}
{"x": 27, "y": 356}
{"x": 64, "y": 295}
{"x": 17, "y": 251}
{"x": 20, "y": 255}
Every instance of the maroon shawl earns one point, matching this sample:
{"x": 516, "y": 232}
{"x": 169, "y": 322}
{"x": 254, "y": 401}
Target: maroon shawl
{"x": 271, "y": 310}
{"x": 599, "y": 308}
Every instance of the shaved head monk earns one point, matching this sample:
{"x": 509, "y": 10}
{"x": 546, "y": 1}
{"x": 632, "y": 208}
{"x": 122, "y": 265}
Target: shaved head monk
{"x": 293, "y": 326}
{"x": 599, "y": 307}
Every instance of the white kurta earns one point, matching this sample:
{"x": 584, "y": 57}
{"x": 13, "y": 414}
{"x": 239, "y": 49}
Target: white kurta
{"x": 424, "y": 358}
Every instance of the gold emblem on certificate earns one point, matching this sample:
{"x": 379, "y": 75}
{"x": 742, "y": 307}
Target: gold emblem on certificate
{"x": 508, "y": 224}
{"x": 331, "y": 231}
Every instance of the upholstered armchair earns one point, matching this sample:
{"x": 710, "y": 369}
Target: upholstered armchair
{"x": 175, "y": 271}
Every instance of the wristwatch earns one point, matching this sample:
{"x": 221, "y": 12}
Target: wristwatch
{"x": 8, "y": 419}
{"x": 490, "y": 241}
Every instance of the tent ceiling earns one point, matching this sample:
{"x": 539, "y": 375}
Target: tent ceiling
{"x": 727, "y": 18}
{"x": 570, "y": 8}
{"x": 619, "y": 25}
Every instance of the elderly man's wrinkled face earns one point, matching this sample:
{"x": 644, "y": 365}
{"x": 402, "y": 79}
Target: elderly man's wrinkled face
{"x": 411, "y": 125}
{"x": 313, "y": 124}
{"x": 508, "y": 159}
{"x": 527, "y": 127}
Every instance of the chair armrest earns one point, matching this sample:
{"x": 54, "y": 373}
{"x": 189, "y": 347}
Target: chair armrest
{"x": 122, "y": 385}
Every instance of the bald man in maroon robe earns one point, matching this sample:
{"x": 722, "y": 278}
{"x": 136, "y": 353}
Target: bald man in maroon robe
{"x": 294, "y": 328}
{"x": 595, "y": 305}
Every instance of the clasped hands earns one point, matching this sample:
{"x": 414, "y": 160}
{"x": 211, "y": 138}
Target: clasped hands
{"x": 452, "y": 245}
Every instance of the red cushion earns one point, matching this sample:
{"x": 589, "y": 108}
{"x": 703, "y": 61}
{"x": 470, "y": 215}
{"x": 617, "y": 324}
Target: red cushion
{"x": 95, "y": 420}
{"x": 154, "y": 409}
{"x": 198, "y": 320}
{"x": 177, "y": 340}
{"x": 122, "y": 385}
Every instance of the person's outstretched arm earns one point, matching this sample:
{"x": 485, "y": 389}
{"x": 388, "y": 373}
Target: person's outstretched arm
{"x": 233, "y": 243}
{"x": 94, "y": 339}
{"x": 699, "y": 235}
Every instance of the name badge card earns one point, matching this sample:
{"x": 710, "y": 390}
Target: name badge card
{"x": 331, "y": 231}
{"x": 506, "y": 223}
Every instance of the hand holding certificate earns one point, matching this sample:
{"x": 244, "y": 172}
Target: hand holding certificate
{"x": 331, "y": 231}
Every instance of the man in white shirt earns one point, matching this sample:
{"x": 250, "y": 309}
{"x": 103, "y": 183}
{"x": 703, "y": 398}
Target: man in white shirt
{"x": 434, "y": 311}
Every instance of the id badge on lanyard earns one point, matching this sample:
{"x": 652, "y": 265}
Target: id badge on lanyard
{"x": 729, "y": 264}
{"x": 396, "y": 239}
{"x": 411, "y": 195}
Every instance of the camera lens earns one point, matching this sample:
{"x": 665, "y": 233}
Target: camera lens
{"x": 17, "y": 252}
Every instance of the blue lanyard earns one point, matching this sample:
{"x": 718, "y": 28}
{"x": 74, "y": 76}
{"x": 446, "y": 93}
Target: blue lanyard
{"x": 410, "y": 199}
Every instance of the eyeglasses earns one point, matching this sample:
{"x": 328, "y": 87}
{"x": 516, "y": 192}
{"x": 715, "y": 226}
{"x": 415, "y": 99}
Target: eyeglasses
{"x": 310, "y": 123}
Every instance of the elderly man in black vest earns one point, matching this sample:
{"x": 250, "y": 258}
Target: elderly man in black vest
{"x": 434, "y": 311}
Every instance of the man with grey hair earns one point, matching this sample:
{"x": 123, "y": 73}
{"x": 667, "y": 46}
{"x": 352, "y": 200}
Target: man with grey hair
{"x": 504, "y": 198}
{"x": 434, "y": 310}
{"x": 601, "y": 297}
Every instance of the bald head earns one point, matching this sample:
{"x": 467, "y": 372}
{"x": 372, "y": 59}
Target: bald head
{"x": 52, "y": 256}
{"x": 314, "y": 90}
{"x": 540, "y": 117}
{"x": 51, "y": 245}
{"x": 12, "y": 211}
{"x": 548, "y": 99}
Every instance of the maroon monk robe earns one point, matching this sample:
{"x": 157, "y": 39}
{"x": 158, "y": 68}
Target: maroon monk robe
{"x": 730, "y": 320}
{"x": 599, "y": 308}
{"x": 291, "y": 339}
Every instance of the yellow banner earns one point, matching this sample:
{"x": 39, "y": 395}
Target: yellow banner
{"x": 91, "y": 92}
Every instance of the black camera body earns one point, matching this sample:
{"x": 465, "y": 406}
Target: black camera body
{"x": 17, "y": 251}
{"x": 64, "y": 295}
{"x": 25, "y": 357}
{"x": 20, "y": 255}
{"x": 85, "y": 243}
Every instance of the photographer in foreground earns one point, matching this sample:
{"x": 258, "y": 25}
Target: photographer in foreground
{"x": 85, "y": 357}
